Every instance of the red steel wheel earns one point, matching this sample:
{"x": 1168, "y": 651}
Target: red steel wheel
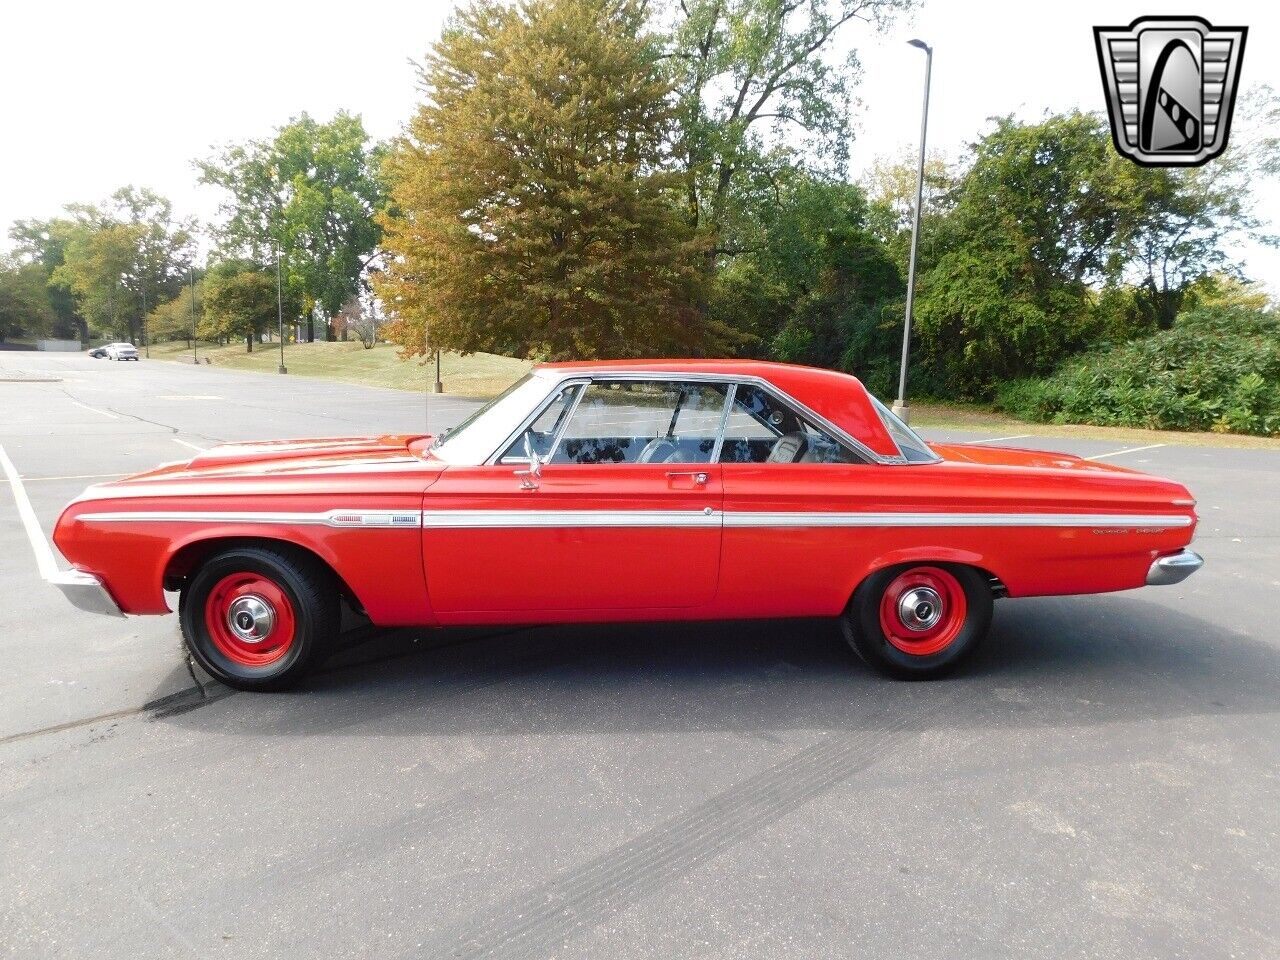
{"x": 250, "y": 619}
{"x": 923, "y": 610}
{"x": 919, "y": 620}
{"x": 257, "y": 617}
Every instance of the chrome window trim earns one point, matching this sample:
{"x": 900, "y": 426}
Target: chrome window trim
{"x": 547, "y": 401}
{"x": 882, "y": 411}
{"x": 555, "y": 442}
{"x": 730, "y": 395}
{"x": 558, "y": 386}
{"x": 852, "y": 445}
{"x": 569, "y": 376}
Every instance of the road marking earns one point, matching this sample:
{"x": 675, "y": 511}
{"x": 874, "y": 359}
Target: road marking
{"x": 74, "y": 476}
{"x": 47, "y": 566}
{"x": 191, "y": 446}
{"x": 101, "y": 413}
{"x": 1116, "y": 453}
{"x": 1017, "y": 436}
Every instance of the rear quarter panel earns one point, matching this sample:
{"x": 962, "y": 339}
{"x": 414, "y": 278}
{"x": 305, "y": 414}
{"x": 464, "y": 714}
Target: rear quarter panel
{"x": 808, "y": 570}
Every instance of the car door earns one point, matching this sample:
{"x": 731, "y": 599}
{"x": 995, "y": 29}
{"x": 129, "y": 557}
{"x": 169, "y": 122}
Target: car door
{"x": 784, "y": 479}
{"x": 623, "y": 513}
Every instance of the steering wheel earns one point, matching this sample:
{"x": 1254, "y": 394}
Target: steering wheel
{"x": 659, "y": 449}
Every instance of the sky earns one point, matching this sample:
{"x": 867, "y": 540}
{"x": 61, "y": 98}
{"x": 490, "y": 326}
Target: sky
{"x": 98, "y": 95}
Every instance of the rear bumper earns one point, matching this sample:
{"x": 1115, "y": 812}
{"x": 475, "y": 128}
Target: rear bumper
{"x": 1174, "y": 568}
{"x": 85, "y": 591}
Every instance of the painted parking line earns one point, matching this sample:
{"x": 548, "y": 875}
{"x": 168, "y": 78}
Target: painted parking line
{"x": 101, "y": 413}
{"x": 1016, "y": 436}
{"x": 189, "y": 446}
{"x": 1116, "y": 453}
{"x": 45, "y": 562}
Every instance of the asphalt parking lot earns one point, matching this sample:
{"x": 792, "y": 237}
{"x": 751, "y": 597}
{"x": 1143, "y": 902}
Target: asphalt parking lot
{"x": 1103, "y": 781}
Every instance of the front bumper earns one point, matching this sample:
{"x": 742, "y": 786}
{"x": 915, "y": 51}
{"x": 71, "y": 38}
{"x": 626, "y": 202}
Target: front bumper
{"x": 85, "y": 591}
{"x": 1174, "y": 568}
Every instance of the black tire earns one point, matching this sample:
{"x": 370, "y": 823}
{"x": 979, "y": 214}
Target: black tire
{"x": 874, "y": 623}
{"x": 297, "y": 590}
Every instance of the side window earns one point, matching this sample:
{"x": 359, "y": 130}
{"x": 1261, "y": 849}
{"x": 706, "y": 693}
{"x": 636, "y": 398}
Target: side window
{"x": 643, "y": 421}
{"x": 912, "y": 447}
{"x": 542, "y": 432}
{"x": 761, "y": 429}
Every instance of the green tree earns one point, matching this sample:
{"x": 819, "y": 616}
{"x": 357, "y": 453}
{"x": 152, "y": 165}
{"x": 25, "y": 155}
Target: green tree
{"x": 312, "y": 191}
{"x": 1180, "y": 223}
{"x": 1052, "y": 241}
{"x": 239, "y": 302}
{"x": 120, "y": 255}
{"x": 891, "y": 195}
{"x": 759, "y": 91}
{"x": 533, "y": 214}
{"x": 43, "y": 242}
{"x": 175, "y": 319}
{"x": 24, "y": 300}
{"x": 816, "y": 287}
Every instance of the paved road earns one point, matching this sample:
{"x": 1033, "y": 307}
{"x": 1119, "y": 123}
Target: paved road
{"x": 1103, "y": 781}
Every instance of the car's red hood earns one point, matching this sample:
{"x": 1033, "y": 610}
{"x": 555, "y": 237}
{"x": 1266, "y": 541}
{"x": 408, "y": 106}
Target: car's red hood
{"x": 271, "y": 455}
{"x": 277, "y": 463}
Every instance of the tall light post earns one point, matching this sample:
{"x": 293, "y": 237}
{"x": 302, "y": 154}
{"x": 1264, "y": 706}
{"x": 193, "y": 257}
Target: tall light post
{"x": 191, "y": 280}
{"x": 280, "y": 310}
{"x": 900, "y": 406}
{"x": 146, "y": 339}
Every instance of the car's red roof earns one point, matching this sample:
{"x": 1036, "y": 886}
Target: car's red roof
{"x": 839, "y": 397}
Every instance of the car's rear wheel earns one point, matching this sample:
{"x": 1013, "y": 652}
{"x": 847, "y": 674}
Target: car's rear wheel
{"x": 258, "y": 618}
{"x": 918, "y": 621}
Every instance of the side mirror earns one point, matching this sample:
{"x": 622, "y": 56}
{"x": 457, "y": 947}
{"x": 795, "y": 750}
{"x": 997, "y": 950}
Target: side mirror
{"x": 529, "y": 479}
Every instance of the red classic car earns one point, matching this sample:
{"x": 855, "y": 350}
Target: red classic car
{"x": 654, "y": 490}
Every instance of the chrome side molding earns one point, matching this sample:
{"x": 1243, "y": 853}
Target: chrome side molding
{"x": 1174, "y": 568}
{"x": 85, "y": 591}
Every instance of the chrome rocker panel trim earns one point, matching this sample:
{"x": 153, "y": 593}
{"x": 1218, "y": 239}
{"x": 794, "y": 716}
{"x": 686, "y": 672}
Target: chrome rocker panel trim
{"x": 1174, "y": 568}
{"x": 85, "y": 591}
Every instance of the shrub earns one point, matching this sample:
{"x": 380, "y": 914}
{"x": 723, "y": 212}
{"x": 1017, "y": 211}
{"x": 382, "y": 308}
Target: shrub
{"x": 1218, "y": 368}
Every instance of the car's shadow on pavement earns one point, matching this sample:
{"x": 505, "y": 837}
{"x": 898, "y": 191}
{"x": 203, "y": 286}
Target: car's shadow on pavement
{"x": 1052, "y": 661}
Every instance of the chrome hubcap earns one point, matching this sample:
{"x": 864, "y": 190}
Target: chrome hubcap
{"x": 251, "y": 618}
{"x": 920, "y": 609}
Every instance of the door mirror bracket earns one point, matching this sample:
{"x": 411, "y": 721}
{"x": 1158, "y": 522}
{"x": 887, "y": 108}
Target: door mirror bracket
{"x": 530, "y": 479}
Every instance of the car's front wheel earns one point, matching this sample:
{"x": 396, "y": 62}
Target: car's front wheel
{"x": 918, "y": 621}
{"x": 258, "y": 618}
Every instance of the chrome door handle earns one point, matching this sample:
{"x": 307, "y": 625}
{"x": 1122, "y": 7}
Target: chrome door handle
{"x": 699, "y": 477}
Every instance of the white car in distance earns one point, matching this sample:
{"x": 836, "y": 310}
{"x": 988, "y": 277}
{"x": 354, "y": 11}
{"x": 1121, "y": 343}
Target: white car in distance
{"x": 121, "y": 351}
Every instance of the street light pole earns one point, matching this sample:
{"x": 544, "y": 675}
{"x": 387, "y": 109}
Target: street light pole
{"x": 195, "y": 347}
{"x": 280, "y": 310}
{"x": 900, "y": 407}
{"x": 146, "y": 339}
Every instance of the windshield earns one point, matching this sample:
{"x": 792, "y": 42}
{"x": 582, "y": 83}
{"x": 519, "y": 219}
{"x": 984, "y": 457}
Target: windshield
{"x": 473, "y": 440}
{"x": 913, "y": 448}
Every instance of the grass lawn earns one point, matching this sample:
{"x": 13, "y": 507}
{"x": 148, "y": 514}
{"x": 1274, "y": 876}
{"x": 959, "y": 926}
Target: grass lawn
{"x": 476, "y": 375}
{"x": 485, "y": 375}
{"x": 968, "y": 417}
